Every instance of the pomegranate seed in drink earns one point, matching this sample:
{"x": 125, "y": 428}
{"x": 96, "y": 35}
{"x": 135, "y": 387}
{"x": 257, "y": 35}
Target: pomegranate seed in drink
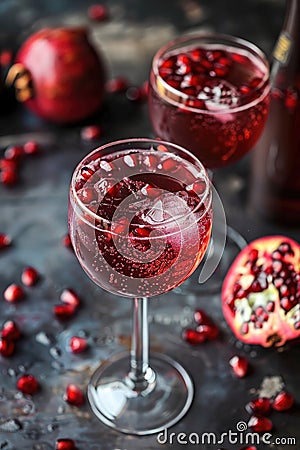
{"x": 239, "y": 365}
{"x": 28, "y": 384}
{"x": 7, "y": 347}
{"x": 10, "y": 330}
{"x": 31, "y": 148}
{"x": 78, "y": 344}
{"x": 86, "y": 172}
{"x": 69, "y": 297}
{"x": 74, "y": 395}
{"x": 193, "y": 337}
{"x": 30, "y": 276}
{"x": 283, "y": 401}
{"x": 13, "y": 293}
{"x": 260, "y": 424}
{"x": 5, "y": 241}
{"x": 260, "y": 405}
{"x": 65, "y": 444}
{"x": 64, "y": 312}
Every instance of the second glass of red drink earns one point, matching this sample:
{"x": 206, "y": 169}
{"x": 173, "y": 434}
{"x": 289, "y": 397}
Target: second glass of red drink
{"x": 210, "y": 93}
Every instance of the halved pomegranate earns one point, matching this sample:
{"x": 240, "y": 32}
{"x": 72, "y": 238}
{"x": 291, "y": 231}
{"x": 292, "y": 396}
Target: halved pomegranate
{"x": 261, "y": 292}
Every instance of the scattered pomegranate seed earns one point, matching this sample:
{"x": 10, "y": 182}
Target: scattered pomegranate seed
{"x": 78, "y": 344}
{"x": 210, "y": 331}
{"x": 260, "y": 424}
{"x": 65, "y": 444}
{"x": 74, "y": 395}
{"x": 134, "y": 94}
{"x": 91, "y": 132}
{"x": 14, "y": 153}
{"x": 261, "y": 406}
{"x": 193, "y": 336}
{"x": 32, "y": 148}
{"x": 116, "y": 85}
{"x": 239, "y": 365}
{"x": 283, "y": 401}
{"x": 8, "y": 177}
{"x": 98, "y": 12}
{"x": 30, "y": 276}
{"x": 201, "y": 317}
{"x": 5, "y": 240}
{"x": 145, "y": 89}
{"x": 66, "y": 242}
{"x": 13, "y": 293}
{"x": 6, "y": 57}
{"x": 64, "y": 312}
{"x": 10, "y": 330}
{"x": 70, "y": 297}
{"x": 28, "y": 384}
{"x": 7, "y": 347}
{"x": 8, "y": 164}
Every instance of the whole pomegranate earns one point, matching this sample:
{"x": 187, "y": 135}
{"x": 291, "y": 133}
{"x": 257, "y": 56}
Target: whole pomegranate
{"x": 59, "y": 75}
{"x": 261, "y": 292}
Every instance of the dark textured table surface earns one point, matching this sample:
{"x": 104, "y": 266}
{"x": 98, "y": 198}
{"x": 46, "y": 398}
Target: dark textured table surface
{"x": 34, "y": 214}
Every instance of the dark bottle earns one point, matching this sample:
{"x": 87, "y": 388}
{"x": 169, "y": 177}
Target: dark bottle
{"x": 275, "y": 183}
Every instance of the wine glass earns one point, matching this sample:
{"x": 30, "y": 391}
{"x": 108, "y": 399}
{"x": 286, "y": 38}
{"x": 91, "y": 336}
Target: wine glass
{"x": 210, "y": 93}
{"x": 140, "y": 221}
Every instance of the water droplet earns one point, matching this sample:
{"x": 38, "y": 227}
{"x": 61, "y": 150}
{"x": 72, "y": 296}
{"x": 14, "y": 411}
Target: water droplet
{"x": 55, "y": 352}
{"x": 60, "y": 409}
{"x": 10, "y": 425}
{"x": 43, "y": 338}
{"x": 12, "y": 373}
{"x": 52, "y": 427}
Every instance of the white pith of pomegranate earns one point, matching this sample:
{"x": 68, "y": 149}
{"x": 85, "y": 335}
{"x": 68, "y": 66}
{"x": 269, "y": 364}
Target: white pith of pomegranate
{"x": 261, "y": 292}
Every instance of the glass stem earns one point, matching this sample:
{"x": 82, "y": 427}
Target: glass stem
{"x": 141, "y": 374}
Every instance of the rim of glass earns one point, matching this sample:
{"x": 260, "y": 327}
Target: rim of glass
{"x": 196, "y": 162}
{"x": 169, "y": 46}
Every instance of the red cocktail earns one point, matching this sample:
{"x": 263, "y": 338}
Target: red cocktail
{"x": 140, "y": 221}
{"x": 210, "y": 94}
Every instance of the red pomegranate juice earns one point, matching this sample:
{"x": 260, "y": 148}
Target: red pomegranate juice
{"x": 145, "y": 232}
{"x": 213, "y": 100}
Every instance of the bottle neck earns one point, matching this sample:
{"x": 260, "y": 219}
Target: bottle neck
{"x": 286, "y": 54}
{"x": 292, "y": 17}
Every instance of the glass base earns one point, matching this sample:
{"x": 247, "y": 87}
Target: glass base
{"x": 115, "y": 402}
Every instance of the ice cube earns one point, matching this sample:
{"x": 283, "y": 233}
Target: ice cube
{"x": 219, "y": 95}
{"x": 103, "y": 186}
{"x": 168, "y": 205}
